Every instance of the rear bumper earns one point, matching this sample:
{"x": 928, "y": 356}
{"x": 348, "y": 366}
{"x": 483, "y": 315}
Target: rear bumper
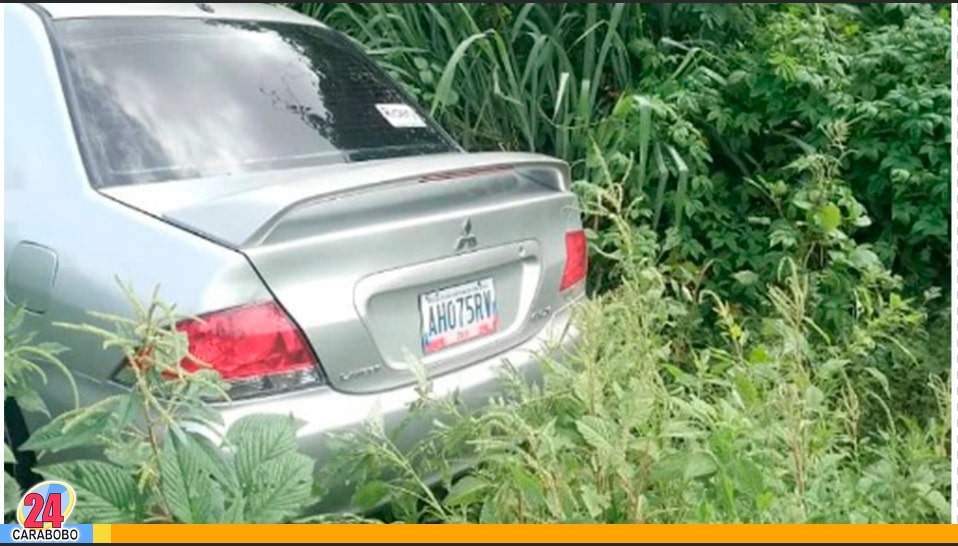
{"x": 324, "y": 411}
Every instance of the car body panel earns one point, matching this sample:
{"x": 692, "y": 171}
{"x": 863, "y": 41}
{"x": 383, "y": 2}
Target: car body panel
{"x": 241, "y": 211}
{"x": 98, "y": 241}
{"x": 353, "y": 284}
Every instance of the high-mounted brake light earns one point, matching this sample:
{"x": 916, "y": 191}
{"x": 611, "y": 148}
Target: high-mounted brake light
{"x": 576, "y": 260}
{"x": 464, "y": 173}
{"x": 256, "y": 348}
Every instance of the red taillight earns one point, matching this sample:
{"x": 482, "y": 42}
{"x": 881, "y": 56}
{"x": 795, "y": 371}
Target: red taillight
{"x": 256, "y": 348}
{"x": 576, "y": 260}
{"x": 247, "y": 342}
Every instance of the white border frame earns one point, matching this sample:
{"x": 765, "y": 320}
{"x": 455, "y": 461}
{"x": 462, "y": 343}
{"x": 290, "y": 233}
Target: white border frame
{"x": 954, "y": 247}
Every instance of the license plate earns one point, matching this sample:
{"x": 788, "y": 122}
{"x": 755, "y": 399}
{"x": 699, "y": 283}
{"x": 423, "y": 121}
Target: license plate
{"x": 457, "y": 314}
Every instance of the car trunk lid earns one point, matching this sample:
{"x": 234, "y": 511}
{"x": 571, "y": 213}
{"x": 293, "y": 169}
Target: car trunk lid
{"x": 436, "y": 261}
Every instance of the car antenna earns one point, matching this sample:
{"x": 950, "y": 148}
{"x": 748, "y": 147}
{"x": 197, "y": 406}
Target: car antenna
{"x": 205, "y": 7}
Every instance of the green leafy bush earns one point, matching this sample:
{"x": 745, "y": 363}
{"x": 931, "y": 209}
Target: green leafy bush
{"x": 24, "y": 362}
{"x": 161, "y": 458}
{"x": 707, "y": 98}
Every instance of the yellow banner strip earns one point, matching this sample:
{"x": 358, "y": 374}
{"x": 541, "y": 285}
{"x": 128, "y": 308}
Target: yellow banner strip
{"x": 102, "y": 533}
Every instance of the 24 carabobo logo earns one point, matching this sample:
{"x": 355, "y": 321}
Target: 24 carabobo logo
{"x": 47, "y": 505}
{"x": 43, "y": 512}
{"x": 42, "y": 515}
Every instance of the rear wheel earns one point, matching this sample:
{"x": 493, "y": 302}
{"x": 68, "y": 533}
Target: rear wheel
{"x": 15, "y": 434}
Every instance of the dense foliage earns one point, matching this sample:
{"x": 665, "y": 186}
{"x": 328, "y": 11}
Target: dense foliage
{"x": 157, "y": 453}
{"x": 791, "y": 160}
{"x": 715, "y": 101}
{"x": 766, "y": 188}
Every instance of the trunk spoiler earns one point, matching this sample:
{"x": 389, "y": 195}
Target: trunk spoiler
{"x": 240, "y": 211}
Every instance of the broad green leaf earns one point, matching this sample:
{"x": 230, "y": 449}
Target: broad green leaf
{"x": 595, "y": 503}
{"x": 30, "y": 402}
{"x": 801, "y": 202}
{"x": 236, "y": 511}
{"x": 832, "y": 366}
{"x": 681, "y": 428}
{"x": 105, "y": 493}
{"x": 863, "y": 258}
{"x": 75, "y": 428}
{"x": 8, "y": 456}
{"x": 185, "y": 479}
{"x": 275, "y": 479}
{"x": 938, "y": 502}
{"x": 259, "y": 438}
{"x": 857, "y": 517}
{"x": 746, "y": 277}
{"x": 749, "y": 478}
{"x": 814, "y": 397}
{"x": 527, "y": 485}
{"x": 466, "y": 490}
{"x": 699, "y": 465}
{"x": 129, "y": 453}
{"x": 624, "y": 106}
{"x": 488, "y": 513}
{"x": 218, "y": 505}
{"x": 11, "y": 493}
{"x": 371, "y": 494}
{"x": 220, "y": 465}
{"x": 684, "y": 466}
{"x": 590, "y": 428}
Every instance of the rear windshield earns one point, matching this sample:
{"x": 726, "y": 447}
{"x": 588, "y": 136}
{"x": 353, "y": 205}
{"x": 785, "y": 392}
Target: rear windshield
{"x": 159, "y": 99}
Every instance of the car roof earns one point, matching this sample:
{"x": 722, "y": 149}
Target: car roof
{"x": 248, "y": 12}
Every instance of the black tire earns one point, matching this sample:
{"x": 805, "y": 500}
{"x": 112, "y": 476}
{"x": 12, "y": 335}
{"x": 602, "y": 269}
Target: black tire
{"x": 15, "y": 432}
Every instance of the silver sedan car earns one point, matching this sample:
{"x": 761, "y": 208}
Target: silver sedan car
{"x": 268, "y": 176}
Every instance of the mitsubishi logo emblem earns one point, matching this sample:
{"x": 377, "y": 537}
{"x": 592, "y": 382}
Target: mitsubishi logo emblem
{"x": 466, "y": 240}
